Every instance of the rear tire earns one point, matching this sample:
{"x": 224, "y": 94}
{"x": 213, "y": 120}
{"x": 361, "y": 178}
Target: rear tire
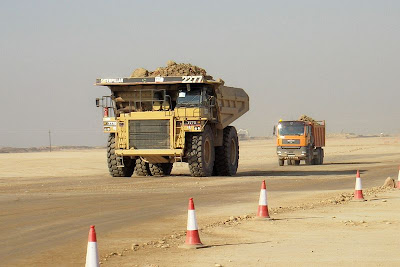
{"x": 227, "y": 155}
{"x": 201, "y": 153}
{"x": 160, "y": 169}
{"x": 322, "y": 157}
{"x": 315, "y": 160}
{"x": 281, "y": 162}
{"x": 297, "y": 162}
{"x": 289, "y": 162}
{"x": 115, "y": 171}
{"x": 142, "y": 168}
{"x": 318, "y": 160}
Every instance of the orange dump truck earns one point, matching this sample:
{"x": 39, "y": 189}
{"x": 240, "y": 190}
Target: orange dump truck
{"x": 300, "y": 140}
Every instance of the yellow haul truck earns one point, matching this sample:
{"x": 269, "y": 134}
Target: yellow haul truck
{"x": 153, "y": 122}
{"x": 300, "y": 140}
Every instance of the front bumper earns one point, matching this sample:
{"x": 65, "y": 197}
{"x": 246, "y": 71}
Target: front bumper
{"x": 296, "y": 153}
{"x": 149, "y": 152}
{"x": 152, "y": 155}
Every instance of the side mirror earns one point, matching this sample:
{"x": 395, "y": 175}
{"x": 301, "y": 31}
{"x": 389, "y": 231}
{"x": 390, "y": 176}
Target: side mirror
{"x": 212, "y": 101}
{"x": 97, "y": 102}
{"x": 274, "y": 130}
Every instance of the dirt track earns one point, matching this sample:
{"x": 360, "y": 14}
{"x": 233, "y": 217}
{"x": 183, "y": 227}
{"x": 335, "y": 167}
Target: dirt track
{"x": 48, "y": 200}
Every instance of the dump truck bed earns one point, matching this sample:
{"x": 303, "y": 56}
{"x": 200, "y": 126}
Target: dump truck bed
{"x": 319, "y": 134}
{"x": 232, "y": 103}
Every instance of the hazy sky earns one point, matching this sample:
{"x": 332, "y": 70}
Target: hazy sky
{"x": 332, "y": 60}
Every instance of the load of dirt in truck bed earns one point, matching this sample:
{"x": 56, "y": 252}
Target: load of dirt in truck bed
{"x": 308, "y": 119}
{"x": 172, "y": 69}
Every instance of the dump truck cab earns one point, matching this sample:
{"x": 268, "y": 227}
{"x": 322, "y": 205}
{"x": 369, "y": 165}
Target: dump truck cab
{"x": 300, "y": 140}
{"x": 153, "y": 122}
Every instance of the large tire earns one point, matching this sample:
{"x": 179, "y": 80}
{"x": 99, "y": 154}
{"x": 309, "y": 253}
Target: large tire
{"x": 318, "y": 160}
{"x": 201, "y": 153}
{"x": 315, "y": 160}
{"x": 142, "y": 168}
{"x": 322, "y": 157}
{"x": 309, "y": 159}
{"x": 289, "y": 162}
{"x": 281, "y": 162}
{"x": 297, "y": 162}
{"x": 160, "y": 169}
{"x": 115, "y": 171}
{"x": 227, "y": 155}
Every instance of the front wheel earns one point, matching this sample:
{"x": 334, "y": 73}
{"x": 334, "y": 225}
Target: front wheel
{"x": 309, "y": 158}
{"x": 281, "y": 162}
{"x": 113, "y": 168}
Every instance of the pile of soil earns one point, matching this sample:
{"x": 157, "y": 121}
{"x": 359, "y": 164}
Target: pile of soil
{"x": 172, "y": 69}
{"x": 389, "y": 182}
{"x": 308, "y": 119}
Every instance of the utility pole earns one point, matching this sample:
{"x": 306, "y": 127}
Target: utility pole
{"x": 50, "y": 139}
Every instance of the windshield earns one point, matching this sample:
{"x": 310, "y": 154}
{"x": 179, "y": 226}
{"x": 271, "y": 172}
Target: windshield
{"x": 291, "y": 128}
{"x": 191, "y": 98}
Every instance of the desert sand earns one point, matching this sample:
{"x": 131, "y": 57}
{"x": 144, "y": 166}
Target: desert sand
{"x": 49, "y": 200}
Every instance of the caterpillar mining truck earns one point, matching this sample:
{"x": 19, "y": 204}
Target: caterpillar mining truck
{"x": 153, "y": 122}
{"x": 300, "y": 140}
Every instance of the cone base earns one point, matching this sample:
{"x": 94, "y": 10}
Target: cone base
{"x": 258, "y": 218}
{"x": 196, "y": 246}
{"x": 358, "y": 200}
{"x": 263, "y": 212}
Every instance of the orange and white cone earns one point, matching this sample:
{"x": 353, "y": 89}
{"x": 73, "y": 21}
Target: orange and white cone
{"x": 192, "y": 234}
{"x": 262, "y": 212}
{"x": 358, "y": 194}
{"x": 92, "y": 255}
{"x": 398, "y": 180}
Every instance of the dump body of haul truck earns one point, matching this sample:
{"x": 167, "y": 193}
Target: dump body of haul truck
{"x": 300, "y": 140}
{"x": 153, "y": 122}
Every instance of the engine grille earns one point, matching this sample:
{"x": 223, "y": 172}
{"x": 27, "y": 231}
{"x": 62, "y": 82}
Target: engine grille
{"x": 149, "y": 134}
{"x": 291, "y": 141}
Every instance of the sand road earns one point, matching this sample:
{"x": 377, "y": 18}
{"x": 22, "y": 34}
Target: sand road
{"x": 48, "y": 200}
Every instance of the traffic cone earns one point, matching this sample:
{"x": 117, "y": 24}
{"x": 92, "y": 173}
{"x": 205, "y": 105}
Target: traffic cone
{"x": 358, "y": 194}
{"x": 262, "y": 212}
{"x": 192, "y": 234}
{"x": 398, "y": 180}
{"x": 92, "y": 255}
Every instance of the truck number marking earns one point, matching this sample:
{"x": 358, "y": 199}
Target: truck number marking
{"x": 118, "y": 80}
{"x": 159, "y": 79}
{"x": 192, "y": 79}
